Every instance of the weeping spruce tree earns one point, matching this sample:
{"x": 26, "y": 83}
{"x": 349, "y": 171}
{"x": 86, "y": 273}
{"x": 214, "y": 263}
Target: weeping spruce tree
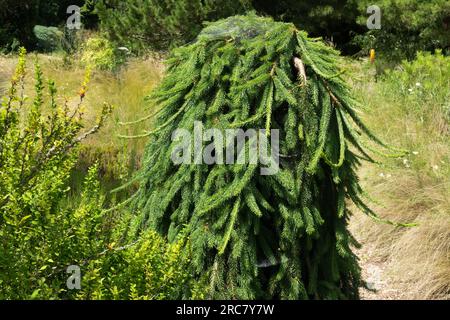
{"x": 259, "y": 236}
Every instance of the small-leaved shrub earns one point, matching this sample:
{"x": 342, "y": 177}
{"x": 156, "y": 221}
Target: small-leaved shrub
{"x": 100, "y": 53}
{"x": 44, "y": 228}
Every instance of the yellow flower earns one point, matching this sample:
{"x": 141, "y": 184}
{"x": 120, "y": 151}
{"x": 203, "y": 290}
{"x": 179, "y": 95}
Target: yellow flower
{"x": 372, "y": 55}
{"x": 82, "y": 92}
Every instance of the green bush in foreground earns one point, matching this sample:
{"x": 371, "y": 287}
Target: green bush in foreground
{"x": 42, "y": 232}
{"x": 37, "y": 153}
{"x": 148, "y": 269}
{"x": 259, "y": 236}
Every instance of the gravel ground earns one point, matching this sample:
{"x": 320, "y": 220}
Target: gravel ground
{"x": 376, "y": 277}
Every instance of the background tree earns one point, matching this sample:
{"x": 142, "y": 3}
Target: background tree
{"x": 18, "y": 18}
{"x": 407, "y": 26}
{"x": 133, "y": 23}
{"x": 140, "y": 25}
{"x": 335, "y": 20}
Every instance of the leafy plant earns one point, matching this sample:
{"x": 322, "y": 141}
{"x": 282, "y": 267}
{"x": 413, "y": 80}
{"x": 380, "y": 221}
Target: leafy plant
{"x": 149, "y": 269}
{"x": 36, "y": 157}
{"x": 49, "y": 38}
{"x": 43, "y": 229}
{"x": 99, "y": 52}
{"x": 35, "y": 147}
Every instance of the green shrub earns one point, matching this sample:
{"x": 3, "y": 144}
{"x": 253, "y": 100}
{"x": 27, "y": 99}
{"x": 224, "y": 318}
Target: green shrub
{"x": 148, "y": 269}
{"x": 37, "y": 153}
{"x": 18, "y": 19}
{"x": 44, "y": 229}
{"x": 48, "y": 38}
{"x": 99, "y": 53}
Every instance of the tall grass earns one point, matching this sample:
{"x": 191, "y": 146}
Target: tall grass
{"x": 409, "y": 107}
{"x": 125, "y": 89}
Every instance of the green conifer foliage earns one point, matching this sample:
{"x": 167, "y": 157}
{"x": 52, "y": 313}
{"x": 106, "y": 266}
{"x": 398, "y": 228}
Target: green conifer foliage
{"x": 155, "y": 24}
{"x": 274, "y": 236}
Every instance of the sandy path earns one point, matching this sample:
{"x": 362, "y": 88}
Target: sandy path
{"x": 374, "y": 272}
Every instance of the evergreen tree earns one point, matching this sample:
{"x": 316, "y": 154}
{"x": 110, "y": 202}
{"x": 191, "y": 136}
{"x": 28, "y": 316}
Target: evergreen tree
{"x": 333, "y": 19}
{"x": 259, "y": 236}
{"x": 156, "y": 24}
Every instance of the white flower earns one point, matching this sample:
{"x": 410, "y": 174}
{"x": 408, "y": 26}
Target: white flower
{"x": 415, "y": 153}
{"x": 410, "y": 90}
{"x": 406, "y": 163}
{"x": 382, "y": 175}
{"x": 418, "y": 84}
{"x": 435, "y": 167}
